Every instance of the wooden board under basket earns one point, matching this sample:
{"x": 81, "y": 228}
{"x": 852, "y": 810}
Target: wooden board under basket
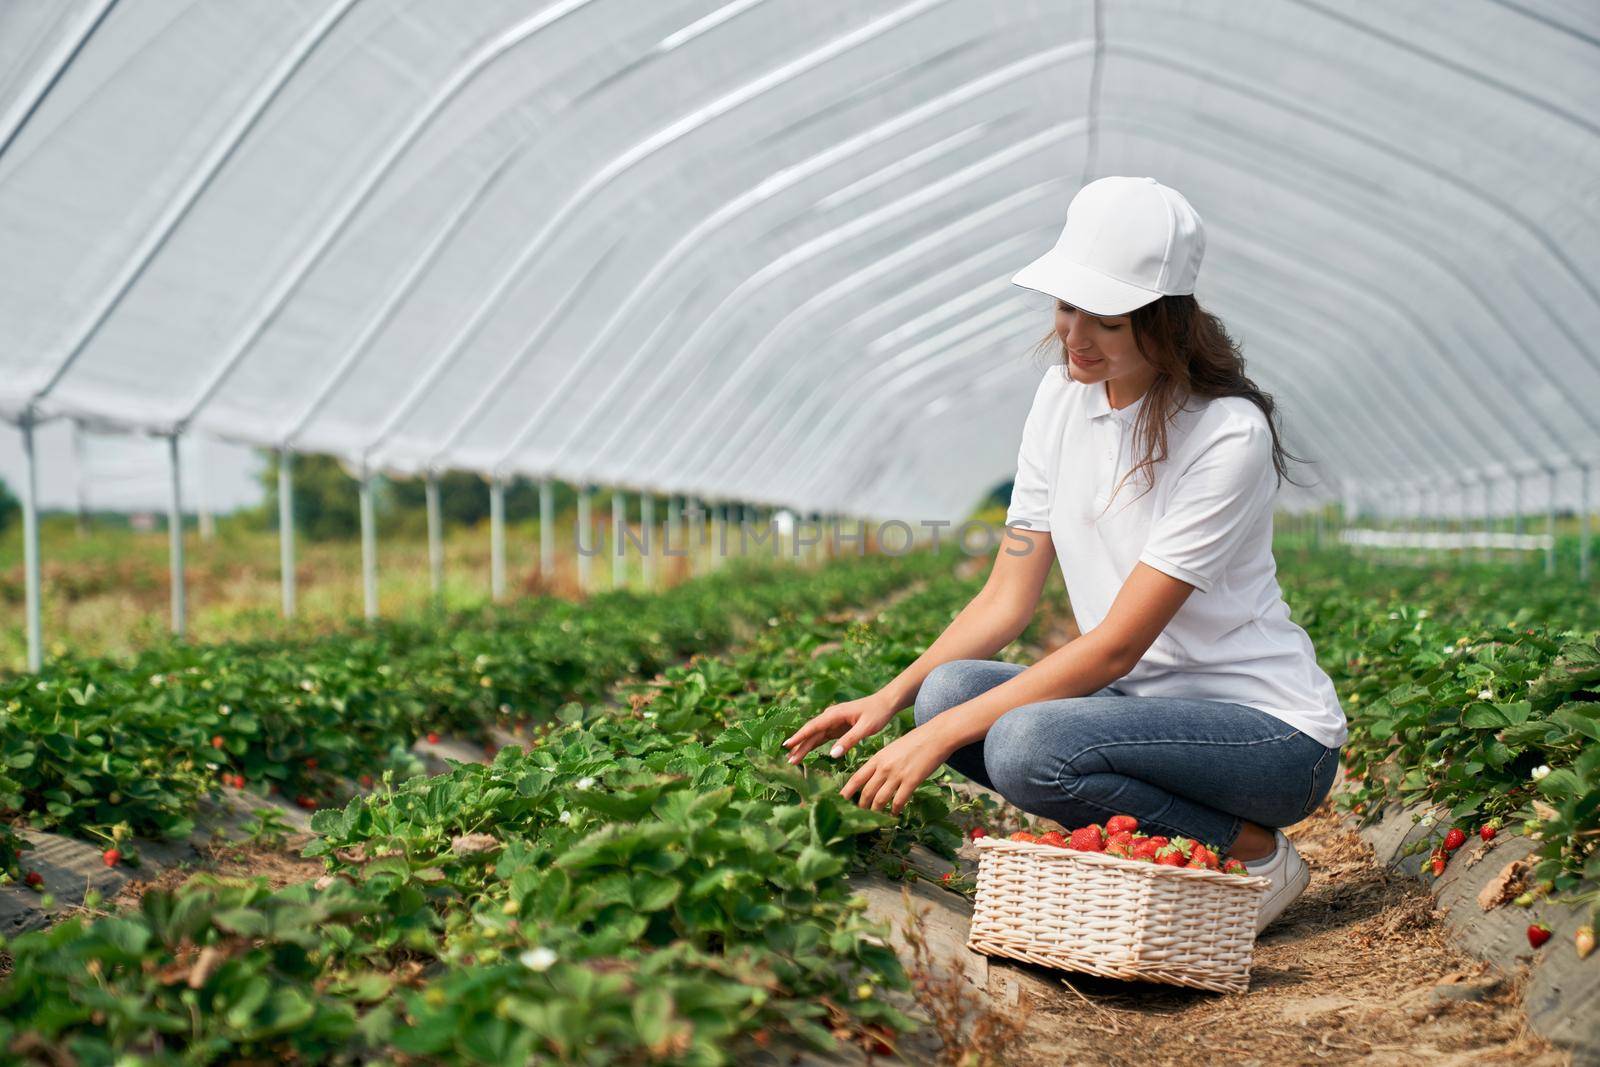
{"x": 1116, "y": 917}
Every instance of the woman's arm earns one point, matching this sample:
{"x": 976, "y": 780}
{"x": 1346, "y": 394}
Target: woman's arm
{"x": 1144, "y": 605}
{"x": 990, "y": 621}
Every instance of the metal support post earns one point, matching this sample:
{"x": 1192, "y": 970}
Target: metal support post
{"x": 1583, "y": 525}
{"x": 672, "y": 537}
{"x": 80, "y": 464}
{"x": 583, "y": 538}
{"x": 369, "y": 547}
{"x": 1488, "y": 523}
{"x": 619, "y": 546}
{"x": 497, "y": 539}
{"x": 286, "y": 529}
{"x": 30, "y": 543}
{"x": 175, "y": 537}
{"x": 647, "y": 520}
{"x": 1516, "y": 516}
{"x": 430, "y": 492}
{"x": 1550, "y": 523}
{"x": 547, "y": 530}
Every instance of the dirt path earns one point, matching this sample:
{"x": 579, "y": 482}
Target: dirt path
{"x": 1357, "y": 971}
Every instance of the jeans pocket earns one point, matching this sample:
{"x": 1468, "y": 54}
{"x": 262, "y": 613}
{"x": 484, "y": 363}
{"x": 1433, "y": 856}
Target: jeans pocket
{"x": 1322, "y": 775}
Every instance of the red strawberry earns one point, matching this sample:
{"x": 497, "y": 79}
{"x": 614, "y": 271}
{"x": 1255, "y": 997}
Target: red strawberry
{"x": 306, "y": 802}
{"x": 216, "y": 741}
{"x": 366, "y": 781}
{"x": 1087, "y": 839}
{"x": 433, "y": 738}
{"x": 1438, "y": 860}
{"x": 1201, "y": 856}
{"x": 1023, "y": 835}
{"x": 1118, "y": 823}
{"x": 1487, "y": 833}
{"x": 1054, "y": 838}
{"x": 34, "y": 878}
{"x": 110, "y": 857}
{"x": 945, "y": 877}
{"x": 977, "y": 832}
{"x": 1538, "y": 934}
{"x": 1454, "y": 839}
{"x": 1144, "y": 849}
{"x": 1233, "y": 866}
{"x": 1159, "y": 839}
{"x": 311, "y": 763}
{"x": 1120, "y": 843}
{"x": 1170, "y": 856}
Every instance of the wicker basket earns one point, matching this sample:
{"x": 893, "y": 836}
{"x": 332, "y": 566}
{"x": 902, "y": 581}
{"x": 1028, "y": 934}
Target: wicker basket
{"x": 1117, "y": 917}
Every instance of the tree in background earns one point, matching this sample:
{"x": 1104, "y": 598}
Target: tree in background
{"x": 325, "y": 505}
{"x": 10, "y": 510}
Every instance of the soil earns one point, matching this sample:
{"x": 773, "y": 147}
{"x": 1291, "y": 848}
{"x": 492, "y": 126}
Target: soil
{"x": 1348, "y": 974}
{"x": 280, "y": 866}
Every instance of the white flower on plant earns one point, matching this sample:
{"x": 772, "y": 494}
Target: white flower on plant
{"x": 538, "y": 958}
{"x": 224, "y": 709}
{"x": 1394, "y": 614}
{"x": 1540, "y": 771}
{"x": 155, "y": 679}
{"x": 1448, "y": 649}
{"x": 585, "y": 782}
{"x": 566, "y": 817}
{"x": 649, "y": 714}
{"x": 1486, "y": 694}
{"x": 1423, "y": 613}
{"x": 1428, "y": 819}
{"x": 305, "y": 683}
{"x": 505, "y": 709}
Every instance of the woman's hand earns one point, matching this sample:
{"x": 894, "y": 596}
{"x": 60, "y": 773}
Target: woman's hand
{"x": 852, "y": 721}
{"x": 893, "y": 774}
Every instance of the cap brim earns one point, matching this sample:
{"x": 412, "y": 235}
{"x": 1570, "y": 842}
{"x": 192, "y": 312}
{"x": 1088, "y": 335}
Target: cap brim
{"x": 1096, "y": 293}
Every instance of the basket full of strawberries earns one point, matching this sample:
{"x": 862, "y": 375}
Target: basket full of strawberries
{"x": 1113, "y": 901}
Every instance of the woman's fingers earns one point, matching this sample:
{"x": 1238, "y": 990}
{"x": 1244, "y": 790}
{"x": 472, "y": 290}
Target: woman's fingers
{"x": 902, "y": 796}
{"x": 851, "y": 738}
{"x": 813, "y": 734}
{"x": 883, "y": 791}
{"x": 820, "y": 721}
{"x": 863, "y": 774}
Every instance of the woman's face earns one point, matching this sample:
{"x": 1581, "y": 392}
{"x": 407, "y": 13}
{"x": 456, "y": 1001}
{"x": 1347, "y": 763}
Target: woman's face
{"x": 1099, "y": 347}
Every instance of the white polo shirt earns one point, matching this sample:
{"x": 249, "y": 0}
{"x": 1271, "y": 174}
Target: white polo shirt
{"x": 1207, "y": 521}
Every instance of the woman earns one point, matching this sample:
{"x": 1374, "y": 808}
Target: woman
{"x": 1202, "y": 715}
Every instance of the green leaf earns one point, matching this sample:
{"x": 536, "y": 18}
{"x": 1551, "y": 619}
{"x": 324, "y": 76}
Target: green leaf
{"x": 1560, "y": 784}
{"x": 816, "y": 864}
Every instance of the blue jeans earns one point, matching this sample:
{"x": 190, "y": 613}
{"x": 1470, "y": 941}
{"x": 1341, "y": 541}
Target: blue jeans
{"x": 1196, "y": 768}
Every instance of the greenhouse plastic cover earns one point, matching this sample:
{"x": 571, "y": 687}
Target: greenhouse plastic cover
{"x": 761, "y": 250}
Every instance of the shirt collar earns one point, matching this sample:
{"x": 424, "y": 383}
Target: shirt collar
{"x": 1099, "y": 404}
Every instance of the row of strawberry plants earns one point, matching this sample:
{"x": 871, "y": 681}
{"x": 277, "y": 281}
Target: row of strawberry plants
{"x": 1470, "y": 691}
{"x": 648, "y": 884}
{"x": 106, "y": 750}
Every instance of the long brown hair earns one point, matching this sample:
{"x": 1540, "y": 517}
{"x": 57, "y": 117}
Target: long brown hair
{"x": 1193, "y": 357}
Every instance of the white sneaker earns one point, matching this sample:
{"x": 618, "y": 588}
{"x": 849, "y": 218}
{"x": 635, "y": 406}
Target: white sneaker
{"x": 1289, "y": 875}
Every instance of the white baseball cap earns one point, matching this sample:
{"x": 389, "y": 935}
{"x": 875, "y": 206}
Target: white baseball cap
{"x": 1127, "y": 242}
